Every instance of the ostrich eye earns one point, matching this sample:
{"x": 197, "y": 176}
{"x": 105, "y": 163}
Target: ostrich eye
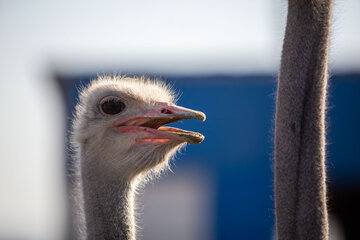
{"x": 112, "y": 106}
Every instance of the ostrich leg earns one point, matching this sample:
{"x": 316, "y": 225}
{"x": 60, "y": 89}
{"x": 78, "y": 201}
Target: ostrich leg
{"x": 300, "y": 189}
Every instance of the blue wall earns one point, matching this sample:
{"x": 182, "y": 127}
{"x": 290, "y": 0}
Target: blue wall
{"x": 238, "y": 145}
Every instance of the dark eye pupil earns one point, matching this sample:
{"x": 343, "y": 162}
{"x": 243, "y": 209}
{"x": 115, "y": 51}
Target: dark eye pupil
{"x": 112, "y": 106}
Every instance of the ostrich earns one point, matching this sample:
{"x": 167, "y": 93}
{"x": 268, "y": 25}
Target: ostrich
{"x": 300, "y": 190}
{"x": 119, "y": 139}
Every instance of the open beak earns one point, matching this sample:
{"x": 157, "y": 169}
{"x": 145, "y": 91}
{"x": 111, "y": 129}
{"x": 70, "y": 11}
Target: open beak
{"x": 153, "y": 120}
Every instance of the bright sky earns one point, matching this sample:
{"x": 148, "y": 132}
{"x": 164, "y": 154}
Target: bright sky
{"x": 162, "y": 36}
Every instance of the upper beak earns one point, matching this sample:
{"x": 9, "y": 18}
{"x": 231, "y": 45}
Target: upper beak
{"x": 164, "y": 113}
{"x": 161, "y": 114}
{"x": 173, "y": 111}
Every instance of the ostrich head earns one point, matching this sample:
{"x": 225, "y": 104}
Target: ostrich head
{"x": 118, "y": 127}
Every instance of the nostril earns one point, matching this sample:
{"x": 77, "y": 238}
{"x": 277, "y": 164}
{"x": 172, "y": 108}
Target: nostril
{"x": 166, "y": 111}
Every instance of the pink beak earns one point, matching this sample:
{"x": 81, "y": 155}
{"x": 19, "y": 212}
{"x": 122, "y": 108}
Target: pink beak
{"x": 161, "y": 114}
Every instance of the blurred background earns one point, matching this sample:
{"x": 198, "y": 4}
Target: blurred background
{"x": 223, "y": 56}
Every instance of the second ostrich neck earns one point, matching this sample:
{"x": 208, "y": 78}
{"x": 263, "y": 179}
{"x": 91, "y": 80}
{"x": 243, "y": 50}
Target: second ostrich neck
{"x": 108, "y": 206}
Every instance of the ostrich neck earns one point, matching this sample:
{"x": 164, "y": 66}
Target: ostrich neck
{"x": 108, "y": 205}
{"x": 300, "y": 177}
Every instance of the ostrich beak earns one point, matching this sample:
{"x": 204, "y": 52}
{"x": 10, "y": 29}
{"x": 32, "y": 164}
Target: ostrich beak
{"x": 160, "y": 114}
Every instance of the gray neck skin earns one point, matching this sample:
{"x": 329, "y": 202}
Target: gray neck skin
{"x": 108, "y": 206}
{"x": 300, "y": 189}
